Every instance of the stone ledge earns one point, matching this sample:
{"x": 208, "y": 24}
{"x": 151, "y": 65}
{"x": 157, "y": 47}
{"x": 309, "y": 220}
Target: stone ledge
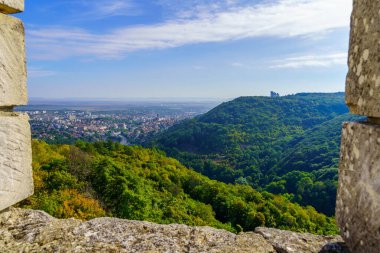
{"x": 11, "y": 6}
{"x": 16, "y": 181}
{"x": 35, "y": 231}
{"x": 13, "y": 89}
{"x": 358, "y": 200}
{"x": 289, "y": 242}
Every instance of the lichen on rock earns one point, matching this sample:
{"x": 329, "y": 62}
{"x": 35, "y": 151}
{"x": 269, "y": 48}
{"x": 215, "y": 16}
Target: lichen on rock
{"x": 35, "y": 231}
{"x": 363, "y": 79}
{"x": 290, "y": 242}
{"x": 358, "y": 202}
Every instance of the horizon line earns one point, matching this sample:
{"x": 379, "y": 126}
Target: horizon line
{"x": 121, "y": 99}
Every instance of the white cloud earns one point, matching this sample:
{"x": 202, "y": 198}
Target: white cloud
{"x": 326, "y": 60}
{"x": 238, "y": 65}
{"x": 101, "y": 9}
{"x": 282, "y": 18}
{"x": 201, "y": 8}
{"x": 199, "y": 67}
{"x": 38, "y": 73}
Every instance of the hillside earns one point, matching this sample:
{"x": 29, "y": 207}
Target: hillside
{"x": 309, "y": 167}
{"x": 94, "y": 180}
{"x": 268, "y": 143}
{"x": 317, "y": 148}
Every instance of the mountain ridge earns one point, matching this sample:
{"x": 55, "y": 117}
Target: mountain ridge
{"x": 245, "y": 140}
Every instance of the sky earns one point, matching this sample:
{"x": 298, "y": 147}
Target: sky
{"x": 185, "y": 49}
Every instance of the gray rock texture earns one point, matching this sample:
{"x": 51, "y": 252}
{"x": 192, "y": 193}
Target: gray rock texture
{"x": 290, "y": 242}
{"x": 13, "y": 89}
{"x": 363, "y": 79}
{"x": 11, "y": 6}
{"x": 16, "y": 182}
{"x": 358, "y": 201}
{"x": 35, "y": 231}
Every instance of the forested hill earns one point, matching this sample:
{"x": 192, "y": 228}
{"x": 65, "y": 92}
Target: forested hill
{"x": 253, "y": 121}
{"x": 108, "y": 179}
{"x": 259, "y": 140}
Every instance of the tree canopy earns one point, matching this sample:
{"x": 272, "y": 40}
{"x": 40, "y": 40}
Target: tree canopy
{"x": 97, "y": 179}
{"x": 265, "y": 142}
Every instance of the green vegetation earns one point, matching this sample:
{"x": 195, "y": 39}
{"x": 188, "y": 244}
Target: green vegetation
{"x": 288, "y": 145}
{"x": 276, "y": 160}
{"x": 94, "y": 180}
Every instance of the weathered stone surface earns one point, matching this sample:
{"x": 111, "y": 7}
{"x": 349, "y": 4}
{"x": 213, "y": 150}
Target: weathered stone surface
{"x": 11, "y": 6}
{"x": 358, "y": 201}
{"x": 35, "y": 231}
{"x": 16, "y": 181}
{"x": 290, "y": 242}
{"x": 12, "y": 62}
{"x": 363, "y": 79}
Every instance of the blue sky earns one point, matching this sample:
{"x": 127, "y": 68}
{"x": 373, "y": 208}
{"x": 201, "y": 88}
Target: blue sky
{"x": 193, "y": 48}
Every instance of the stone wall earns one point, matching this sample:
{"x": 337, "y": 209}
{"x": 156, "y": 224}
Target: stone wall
{"x": 358, "y": 201}
{"x": 16, "y": 181}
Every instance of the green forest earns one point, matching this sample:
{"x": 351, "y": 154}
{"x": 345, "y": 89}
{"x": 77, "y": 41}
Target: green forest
{"x": 285, "y": 145}
{"x": 92, "y": 180}
{"x": 253, "y": 161}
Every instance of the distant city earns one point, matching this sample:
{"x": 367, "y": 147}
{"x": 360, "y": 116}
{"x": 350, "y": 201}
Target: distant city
{"x": 128, "y": 123}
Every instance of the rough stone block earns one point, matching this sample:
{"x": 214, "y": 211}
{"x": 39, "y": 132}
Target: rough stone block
{"x": 16, "y": 182}
{"x": 363, "y": 79}
{"x": 358, "y": 200}
{"x": 291, "y": 242}
{"x": 13, "y": 89}
{"x": 11, "y": 6}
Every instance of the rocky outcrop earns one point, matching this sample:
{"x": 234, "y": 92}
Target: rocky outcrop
{"x": 35, "y": 231}
{"x": 290, "y": 242}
